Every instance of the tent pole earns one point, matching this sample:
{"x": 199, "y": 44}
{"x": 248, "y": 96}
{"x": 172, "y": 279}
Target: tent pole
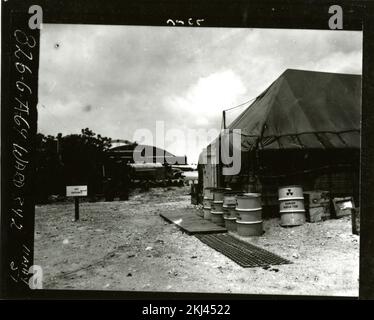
{"x": 249, "y": 171}
{"x": 255, "y": 178}
{"x": 220, "y": 176}
{"x": 219, "y": 170}
{"x": 330, "y": 185}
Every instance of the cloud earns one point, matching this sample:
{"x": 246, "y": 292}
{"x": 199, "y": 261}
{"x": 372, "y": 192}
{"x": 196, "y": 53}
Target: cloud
{"x": 87, "y": 108}
{"x": 209, "y": 95}
{"x": 117, "y": 79}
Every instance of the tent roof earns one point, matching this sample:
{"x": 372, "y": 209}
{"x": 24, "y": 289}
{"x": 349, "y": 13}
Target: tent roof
{"x": 304, "y": 109}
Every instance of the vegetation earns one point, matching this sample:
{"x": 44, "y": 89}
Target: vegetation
{"x": 69, "y": 160}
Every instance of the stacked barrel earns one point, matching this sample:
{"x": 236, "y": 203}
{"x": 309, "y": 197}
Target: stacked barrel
{"x": 291, "y": 203}
{"x": 242, "y": 212}
{"x": 237, "y": 211}
{"x": 249, "y": 214}
{"x": 229, "y": 206}
{"x": 208, "y": 199}
{"x": 217, "y": 206}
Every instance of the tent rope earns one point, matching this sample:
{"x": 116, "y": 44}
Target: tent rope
{"x": 313, "y": 170}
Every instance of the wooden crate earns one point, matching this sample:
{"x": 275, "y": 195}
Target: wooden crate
{"x": 343, "y": 206}
{"x": 316, "y": 197}
{"x": 318, "y": 213}
{"x": 317, "y": 205}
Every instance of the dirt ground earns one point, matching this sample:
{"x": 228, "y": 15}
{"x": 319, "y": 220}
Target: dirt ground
{"x": 126, "y": 245}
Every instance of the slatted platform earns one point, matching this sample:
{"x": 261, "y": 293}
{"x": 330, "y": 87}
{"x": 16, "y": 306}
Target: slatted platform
{"x": 243, "y": 253}
{"x": 190, "y": 222}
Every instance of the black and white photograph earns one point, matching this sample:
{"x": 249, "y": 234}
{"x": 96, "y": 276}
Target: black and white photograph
{"x": 203, "y": 160}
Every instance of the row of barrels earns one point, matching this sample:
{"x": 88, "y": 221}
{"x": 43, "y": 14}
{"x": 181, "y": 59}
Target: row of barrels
{"x": 237, "y": 211}
{"x": 242, "y": 212}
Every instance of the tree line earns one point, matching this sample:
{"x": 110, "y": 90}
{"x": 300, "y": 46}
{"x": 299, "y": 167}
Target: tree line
{"x": 74, "y": 159}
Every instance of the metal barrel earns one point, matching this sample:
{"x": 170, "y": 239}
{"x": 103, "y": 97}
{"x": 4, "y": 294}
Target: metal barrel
{"x": 249, "y": 215}
{"x": 229, "y": 197}
{"x": 248, "y": 201}
{"x": 218, "y": 194}
{"x": 217, "y": 218}
{"x": 291, "y": 205}
{"x": 249, "y": 207}
{"x": 216, "y": 206}
{"x": 249, "y": 228}
{"x": 230, "y": 223}
{"x": 207, "y": 214}
{"x": 229, "y": 203}
{"x": 217, "y": 213}
{"x": 208, "y": 193}
{"x": 230, "y": 212}
{"x": 207, "y": 203}
{"x": 229, "y": 216}
{"x": 208, "y": 198}
{"x": 294, "y": 192}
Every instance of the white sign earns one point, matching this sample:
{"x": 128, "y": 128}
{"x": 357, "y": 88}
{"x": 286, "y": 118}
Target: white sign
{"x": 76, "y": 191}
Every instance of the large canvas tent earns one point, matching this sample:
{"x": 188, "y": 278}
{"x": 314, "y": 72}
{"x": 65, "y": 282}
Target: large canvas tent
{"x": 304, "y": 122}
{"x": 304, "y": 109}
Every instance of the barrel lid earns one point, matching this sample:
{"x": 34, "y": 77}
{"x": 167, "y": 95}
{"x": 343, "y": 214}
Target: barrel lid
{"x": 229, "y": 205}
{"x": 228, "y": 218}
{"x": 249, "y": 195}
{"x": 248, "y": 209}
{"x": 220, "y": 190}
{"x": 216, "y": 212}
{"x": 248, "y": 222}
{"x": 292, "y": 211}
{"x": 290, "y": 186}
{"x": 233, "y": 192}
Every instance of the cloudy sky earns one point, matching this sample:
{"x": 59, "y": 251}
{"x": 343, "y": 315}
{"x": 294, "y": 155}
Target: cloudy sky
{"x": 117, "y": 79}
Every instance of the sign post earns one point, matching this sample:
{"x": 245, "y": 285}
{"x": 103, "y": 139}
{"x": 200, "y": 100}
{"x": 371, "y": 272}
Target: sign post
{"x": 76, "y": 208}
{"x": 76, "y": 192}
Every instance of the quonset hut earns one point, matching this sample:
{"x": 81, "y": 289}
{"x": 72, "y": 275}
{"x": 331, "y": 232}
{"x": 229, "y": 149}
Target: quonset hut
{"x": 141, "y": 163}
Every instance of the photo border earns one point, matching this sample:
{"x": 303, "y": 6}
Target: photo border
{"x": 15, "y": 258}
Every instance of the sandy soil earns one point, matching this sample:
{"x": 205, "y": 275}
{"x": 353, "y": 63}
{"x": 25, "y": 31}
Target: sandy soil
{"x": 126, "y": 245}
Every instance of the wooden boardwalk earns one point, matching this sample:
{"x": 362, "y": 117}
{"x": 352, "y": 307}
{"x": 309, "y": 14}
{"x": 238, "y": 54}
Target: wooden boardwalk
{"x": 188, "y": 220}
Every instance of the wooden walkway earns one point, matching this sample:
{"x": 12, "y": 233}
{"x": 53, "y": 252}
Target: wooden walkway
{"x": 188, "y": 220}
